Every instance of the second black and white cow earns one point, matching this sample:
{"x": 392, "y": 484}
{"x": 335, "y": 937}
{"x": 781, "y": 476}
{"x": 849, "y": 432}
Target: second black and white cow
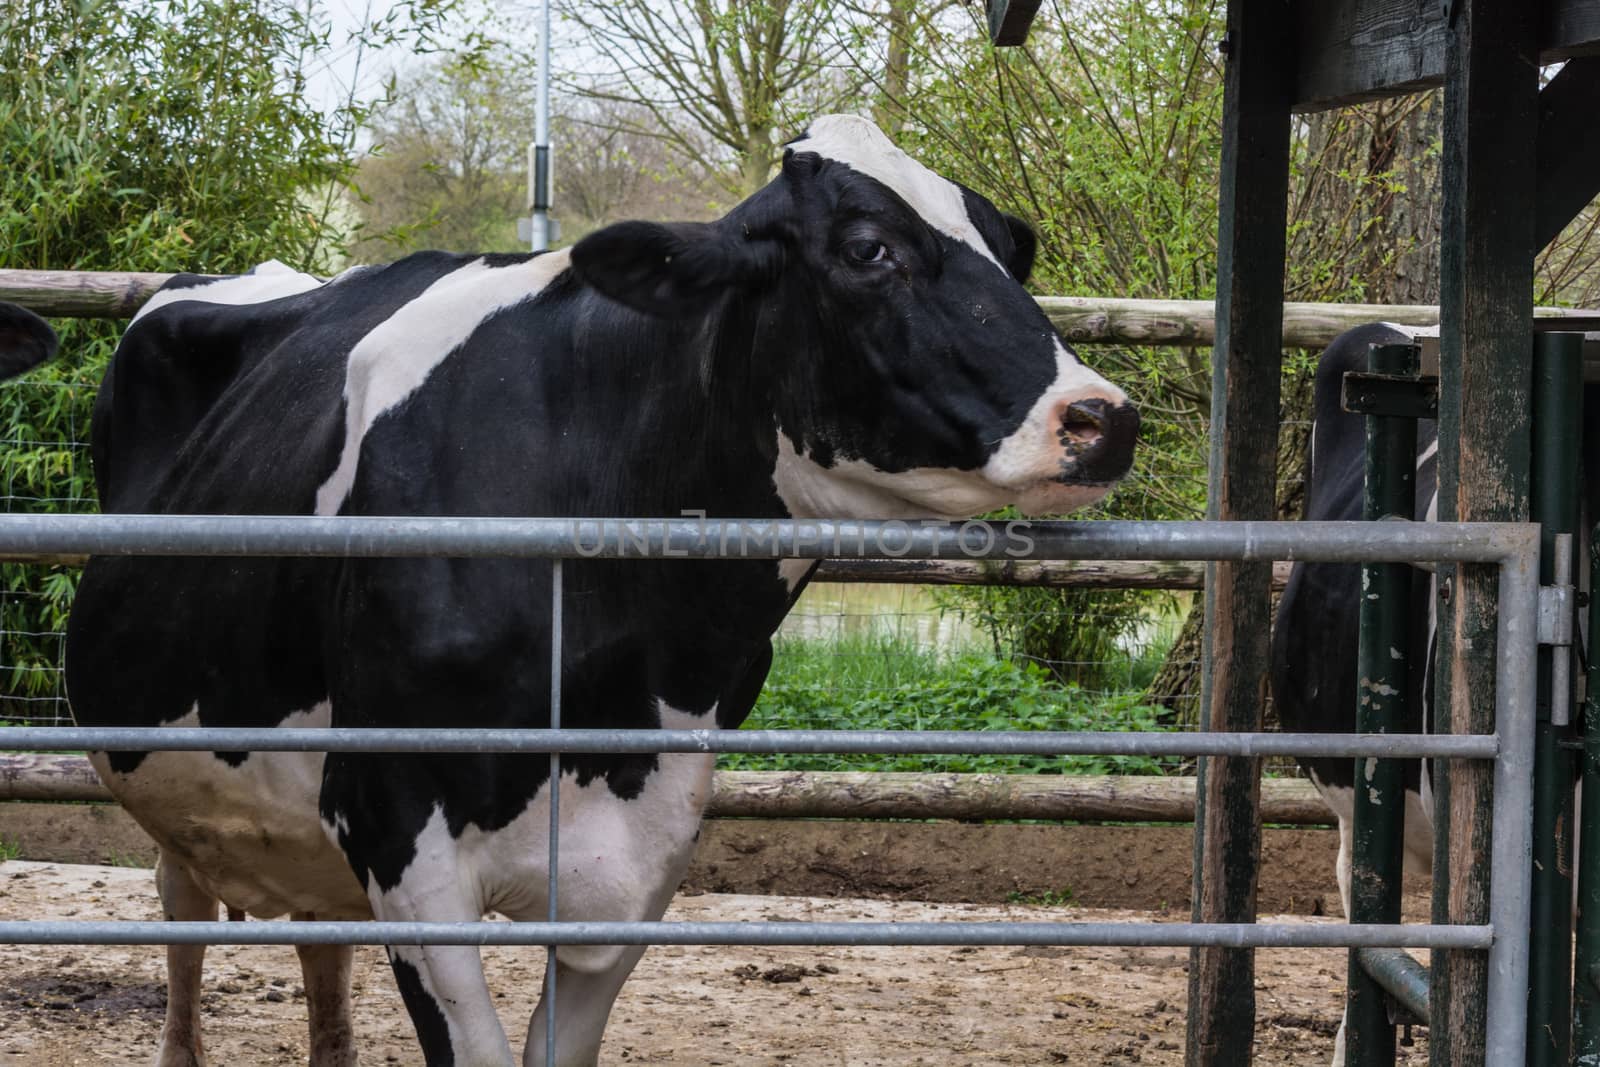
{"x": 26, "y": 340}
{"x": 1314, "y": 641}
{"x": 853, "y": 340}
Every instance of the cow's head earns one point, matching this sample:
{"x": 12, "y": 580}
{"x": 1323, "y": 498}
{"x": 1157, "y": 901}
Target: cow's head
{"x": 912, "y": 374}
{"x": 26, "y": 340}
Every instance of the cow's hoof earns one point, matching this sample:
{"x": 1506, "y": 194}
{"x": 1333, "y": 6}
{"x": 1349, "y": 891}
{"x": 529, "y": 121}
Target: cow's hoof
{"x": 340, "y": 1052}
{"x": 180, "y": 1056}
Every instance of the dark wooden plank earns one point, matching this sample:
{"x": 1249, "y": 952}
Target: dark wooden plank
{"x": 1569, "y": 28}
{"x": 1010, "y": 20}
{"x": 1487, "y": 248}
{"x": 1569, "y": 146}
{"x": 1246, "y": 373}
{"x": 1364, "y": 49}
{"x": 1354, "y": 50}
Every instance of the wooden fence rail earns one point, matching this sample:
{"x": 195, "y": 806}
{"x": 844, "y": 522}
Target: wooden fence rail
{"x": 841, "y": 794}
{"x": 1084, "y": 320}
{"x": 1057, "y": 574}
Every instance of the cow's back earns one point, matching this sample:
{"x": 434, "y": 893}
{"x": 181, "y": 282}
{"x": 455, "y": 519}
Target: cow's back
{"x": 227, "y": 397}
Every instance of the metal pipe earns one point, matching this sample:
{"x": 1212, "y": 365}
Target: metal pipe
{"x": 1383, "y": 695}
{"x": 1557, "y": 437}
{"x": 553, "y": 913}
{"x": 1021, "y": 743}
{"x": 345, "y": 536}
{"x": 1232, "y": 935}
{"x": 1510, "y": 862}
{"x": 1399, "y": 974}
{"x": 540, "y": 178}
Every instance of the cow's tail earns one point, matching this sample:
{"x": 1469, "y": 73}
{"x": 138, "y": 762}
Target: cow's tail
{"x": 26, "y": 340}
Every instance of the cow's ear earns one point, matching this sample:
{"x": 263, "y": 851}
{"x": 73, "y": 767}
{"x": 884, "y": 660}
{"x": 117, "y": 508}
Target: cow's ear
{"x": 26, "y": 340}
{"x": 674, "y": 269}
{"x": 1024, "y": 245}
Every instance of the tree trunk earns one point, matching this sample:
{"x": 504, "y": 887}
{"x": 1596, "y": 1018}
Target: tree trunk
{"x": 1366, "y": 225}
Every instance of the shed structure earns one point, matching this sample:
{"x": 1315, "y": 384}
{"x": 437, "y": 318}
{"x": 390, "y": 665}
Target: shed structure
{"x": 1521, "y": 157}
{"x": 1519, "y": 160}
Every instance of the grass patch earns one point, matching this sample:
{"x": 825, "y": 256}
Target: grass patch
{"x": 882, "y": 681}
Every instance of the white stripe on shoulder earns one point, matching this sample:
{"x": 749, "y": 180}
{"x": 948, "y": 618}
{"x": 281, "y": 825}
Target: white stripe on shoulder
{"x": 391, "y": 362}
{"x": 861, "y": 146}
{"x": 269, "y": 281}
{"x": 1414, "y": 332}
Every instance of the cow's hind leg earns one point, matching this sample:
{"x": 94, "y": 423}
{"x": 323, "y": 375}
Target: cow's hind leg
{"x": 326, "y": 969}
{"x": 182, "y": 900}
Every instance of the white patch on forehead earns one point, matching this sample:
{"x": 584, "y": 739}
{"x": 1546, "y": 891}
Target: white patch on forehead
{"x": 861, "y": 146}
{"x": 270, "y": 281}
{"x": 392, "y": 362}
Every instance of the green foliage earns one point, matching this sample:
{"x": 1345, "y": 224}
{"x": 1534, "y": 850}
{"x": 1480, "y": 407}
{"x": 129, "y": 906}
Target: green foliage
{"x": 163, "y": 136}
{"x": 1104, "y": 133}
{"x": 1044, "y": 898}
{"x": 880, "y": 682}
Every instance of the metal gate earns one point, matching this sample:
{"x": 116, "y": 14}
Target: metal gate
{"x": 1511, "y": 548}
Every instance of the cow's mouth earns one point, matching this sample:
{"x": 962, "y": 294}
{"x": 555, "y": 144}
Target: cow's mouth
{"x": 1059, "y": 496}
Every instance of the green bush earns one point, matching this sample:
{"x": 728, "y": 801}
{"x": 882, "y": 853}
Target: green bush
{"x": 884, "y": 682}
{"x": 163, "y": 136}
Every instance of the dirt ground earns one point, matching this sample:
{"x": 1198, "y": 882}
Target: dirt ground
{"x": 870, "y": 1007}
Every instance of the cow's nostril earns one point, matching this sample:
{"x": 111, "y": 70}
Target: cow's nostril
{"x": 1083, "y": 422}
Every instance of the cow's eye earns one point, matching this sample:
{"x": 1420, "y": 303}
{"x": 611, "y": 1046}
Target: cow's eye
{"x": 866, "y": 251}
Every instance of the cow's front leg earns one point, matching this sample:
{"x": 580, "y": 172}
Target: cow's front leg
{"x": 584, "y": 995}
{"x": 326, "y": 970}
{"x": 182, "y": 900}
{"x": 443, "y": 985}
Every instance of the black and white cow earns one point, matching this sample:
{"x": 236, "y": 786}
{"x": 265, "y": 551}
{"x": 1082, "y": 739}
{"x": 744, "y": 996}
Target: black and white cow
{"x": 1314, "y": 640}
{"x": 853, "y": 340}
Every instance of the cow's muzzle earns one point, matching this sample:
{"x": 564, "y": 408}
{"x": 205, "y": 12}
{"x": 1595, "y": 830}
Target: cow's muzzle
{"x": 1098, "y": 440}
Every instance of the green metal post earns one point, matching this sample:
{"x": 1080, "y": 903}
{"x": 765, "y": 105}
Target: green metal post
{"x": 1382, "y": 689}
{"x": 1557, "y": 436}
{"x": 1586, "y": 991}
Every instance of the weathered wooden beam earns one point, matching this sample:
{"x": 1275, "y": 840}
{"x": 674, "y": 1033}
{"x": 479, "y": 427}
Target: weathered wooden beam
{"x": 1247, "y": 373}
{"x": 1568, "y": 160}
{"x": 1567, "y": 29}
{"x": 1491, "y": 123}
{"x": 80, "y": 294}
{"x": 47, "y": 776}
{"x": 1085, "y": 320}
{"x": 841, "y": 794}
{"x": 1359, "y": 50}
{"x": 1059, "y": 574}
{"x": 1010, "y": 20}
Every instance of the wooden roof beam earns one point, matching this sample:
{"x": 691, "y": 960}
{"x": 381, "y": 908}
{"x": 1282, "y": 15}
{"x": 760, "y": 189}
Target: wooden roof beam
{"x": 1010, "y": 20}
{"x": 1354, "y": 50}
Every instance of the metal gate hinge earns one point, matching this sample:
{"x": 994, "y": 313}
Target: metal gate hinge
{"x": 1556, "y": 605}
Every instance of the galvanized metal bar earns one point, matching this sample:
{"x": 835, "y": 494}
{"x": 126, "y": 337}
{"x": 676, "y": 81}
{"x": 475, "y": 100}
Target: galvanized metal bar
{"x": 1557, "y": 442}
{"x": 553, "y": 913}
{"x": 1102, "y": 934}
{"x": 346, "y": 536}
{"x": 1383, "y": 691}
{"x": 1586, "y": 992}
{"x": 1020, "y": 743}
{"x": 1399, "y": 974}
{"x": 1510, "y": 862}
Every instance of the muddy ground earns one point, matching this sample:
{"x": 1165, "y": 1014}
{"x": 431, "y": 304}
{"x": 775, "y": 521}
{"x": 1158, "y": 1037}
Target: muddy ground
{"x": 711, "y": 1006}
